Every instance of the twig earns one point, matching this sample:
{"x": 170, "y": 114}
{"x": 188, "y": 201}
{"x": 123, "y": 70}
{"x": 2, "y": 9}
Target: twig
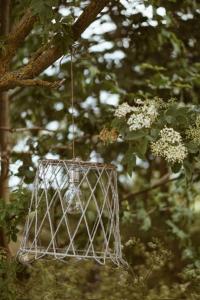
{"x": 60, "y": 147}
{"x": 163, "y": 180}
{"x": 10, "y": 81}
{"x": 15, "y": 93}
{"x": 36, "y": 128}
{"x": 39, "y": 82}
{"x": 22, "y": 153}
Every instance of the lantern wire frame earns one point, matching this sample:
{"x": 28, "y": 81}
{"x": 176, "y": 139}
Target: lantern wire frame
{"x": 93, "y": 233}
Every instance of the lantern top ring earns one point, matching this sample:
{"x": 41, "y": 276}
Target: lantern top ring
{"x": 75, "y": 162}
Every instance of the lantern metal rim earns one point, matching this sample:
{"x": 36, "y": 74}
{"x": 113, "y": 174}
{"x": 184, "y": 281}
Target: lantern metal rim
{"x": 63, "y": 254}
{"x": 100, "y": 257}
{"x": 80, "y": 163}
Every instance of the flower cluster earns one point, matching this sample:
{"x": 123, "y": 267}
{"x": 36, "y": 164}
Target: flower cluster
{"x": 141, "y": 115}
{"x": 108, "y": 136}
{"x": 123, "y": 110}
{"x": 170, "y": 146}
{"x": 193, "y": 133}
{"x": 169, "y": 135}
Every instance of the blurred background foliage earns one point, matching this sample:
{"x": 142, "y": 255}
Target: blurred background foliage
{"x": 136, "y": 49}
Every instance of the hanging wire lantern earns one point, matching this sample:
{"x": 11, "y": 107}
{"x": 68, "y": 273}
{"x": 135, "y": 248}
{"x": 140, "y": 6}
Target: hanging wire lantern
{"x": 74, "y": 210}
{"x": 73, "y": 213}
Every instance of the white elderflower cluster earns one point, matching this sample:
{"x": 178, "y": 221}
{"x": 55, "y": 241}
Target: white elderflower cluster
{"x": 170, "y": 146}
{"x": 138, "y": 121}
{"x": 169, "y": 135}
{"x": 193, "y": 133}
{"x": 142, "y": 115}
{"x": 123, "y": 110}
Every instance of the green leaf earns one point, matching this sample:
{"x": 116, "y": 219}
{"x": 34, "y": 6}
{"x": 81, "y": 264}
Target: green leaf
{"x": 176, "y": 167}
{"x": 135, "y": 135}
{"x": 129, "y": 160}
{"x": 160, "y": 81}
{"x": 144, "y": 217}
{"x": 176, "y": 230}
{"x": 188, "y": 169}
{"x": 119, "y": 124}
{"x": 141, "y": 147}
{"x": 148, "y": 66}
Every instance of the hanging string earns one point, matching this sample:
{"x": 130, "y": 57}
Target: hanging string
{"x": 72, "y": 104}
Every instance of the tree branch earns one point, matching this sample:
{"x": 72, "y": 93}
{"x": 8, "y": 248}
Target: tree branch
{"x": 48, "y": 54}
{"x": 36, "y": 128}
{"x": 88, "y": 16}
{"x": 10, "y": 80}
{"x": 162, "y": 181}
{"x": 38, "y": 82}
{"x": 15, "y": 38}
{"x": 52, "y": 53}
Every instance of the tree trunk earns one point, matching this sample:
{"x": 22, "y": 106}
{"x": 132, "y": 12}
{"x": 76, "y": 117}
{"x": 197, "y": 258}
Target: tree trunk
{"x": 4, "y": 146}
{"x": 4, "y": 122}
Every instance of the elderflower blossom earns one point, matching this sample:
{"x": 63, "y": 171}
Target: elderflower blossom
{"x": 139, "y": 101}
{"x": 170, "y": 146}
{"x": 143, "y": 116}
{"x": 138, "y": 121}
{"x": 169, "y": 135}
{"x": 123, "y": 110}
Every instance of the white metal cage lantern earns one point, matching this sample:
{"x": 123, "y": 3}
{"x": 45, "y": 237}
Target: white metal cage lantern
{"x": 74, "y": 212}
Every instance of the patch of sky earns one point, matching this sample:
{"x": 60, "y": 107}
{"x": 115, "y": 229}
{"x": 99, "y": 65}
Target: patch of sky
{"x": 139, "y": 162}
{"x": 90, "y": 102}
{"x": 23, "y": 114}
{"x": 161, "y": 11}
{"x": 134, "y": 7}
{"x": 108, "y": 98}
{"x": 25, "y": 60}
{"x": 59, "y": 106}
{"x": 153, "y": 23}
{"x": 35, "y": 159}
{"x": 127, "y": 180}
{"x": 74, "y": 131}
{"x": 100, "y": 27}
{"x": 95, "y": 157}
{"x": 51, "y": 156}
{"x": 14, "y": 181}
{"x": 146, "y": 11}
{"x": 74, "y": 111}
{"x": 126, "y": 42}
{"x": 67, "y": 12}
{"x": 116, "y": 56}
{"x": 55, "y": 68}
{"x": 53, "y": 125}
{"x": 186, "y": 17}
{"x": 21, "y": 145}
{"x": 101, "y": 46}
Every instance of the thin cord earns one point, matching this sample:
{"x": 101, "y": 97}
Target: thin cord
{"x": 72, "y": 103}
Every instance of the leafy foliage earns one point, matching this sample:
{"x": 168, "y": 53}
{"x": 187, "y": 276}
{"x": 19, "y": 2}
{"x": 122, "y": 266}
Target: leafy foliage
{"x": 12, "y": 214}
{"x": 151, "y": 51}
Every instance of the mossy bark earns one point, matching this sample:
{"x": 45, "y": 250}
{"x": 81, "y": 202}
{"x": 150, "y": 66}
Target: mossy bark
{"x": 4, "y": 123}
